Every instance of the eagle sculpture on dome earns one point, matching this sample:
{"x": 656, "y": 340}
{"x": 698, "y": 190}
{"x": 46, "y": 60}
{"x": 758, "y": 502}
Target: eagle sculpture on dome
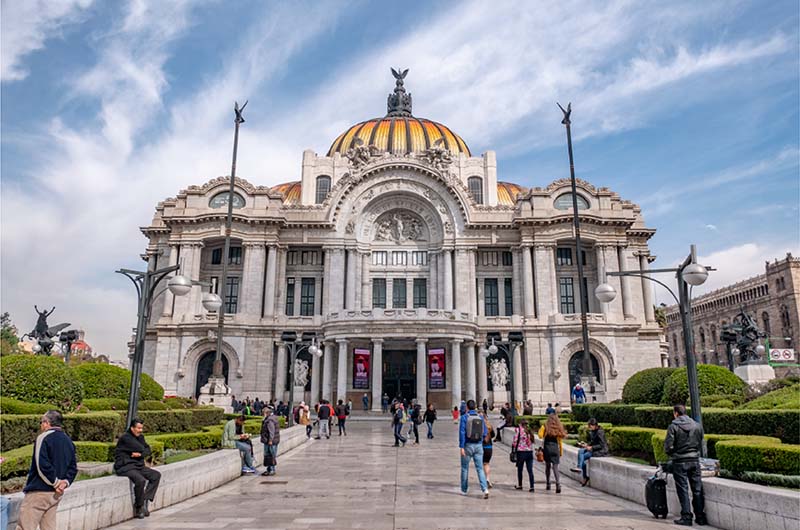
{"x": 399, "y": 103}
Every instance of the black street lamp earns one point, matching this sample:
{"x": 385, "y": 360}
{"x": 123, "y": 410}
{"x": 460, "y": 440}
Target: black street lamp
{"x": 146, "y": 283}
{"x": 689, "y": 273}
{"x": 308, "y": 342}
{"x": 510, "y": 345}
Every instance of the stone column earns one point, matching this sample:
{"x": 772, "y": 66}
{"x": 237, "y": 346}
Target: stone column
{"x": 189, "y": 305}
{"x": 555, "y": 301}
{"x": 647, "y": 290}
{"x": 455, "y": 378}
{"x": 341, "y": 372}
{"x": 336, "y": 288}
{"x": 270, "y": 285}
{"x": 168, "y": 296}
{"x": 422, "y": 373}
{"x": 433, "y": 280}
{"x": 377, "y": 374}
{"x": 280, "y": 281}
{"x": 516, "y": 280}
{"x": 463, "y": 274}
{"x": 471, "y": 378}
{"x": 316, "y": 376}
{"x": 366, "y": 302}
{"x": 546, "y": 284}
{"x": 357, "y": 282}
{"x": 601, "y": 275}
{"x": 517, "y": 374}
{"x": 472, "y": 286}
{"x": 625, "y": 283}
{"x": 483, "y": 384}
{"x": 480, "y": 286}
{"x": 448, "y": 279}
{"x": 327, "y": 371}
{"x": 611, "y": 261}
{"x": 527, "y": 282}
{"x": 350, "y": 294}
{"x": 280, "y": 371}
{"x": 252, "y": 288}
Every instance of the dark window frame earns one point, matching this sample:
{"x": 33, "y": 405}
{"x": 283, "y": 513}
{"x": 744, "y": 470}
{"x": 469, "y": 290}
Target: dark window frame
{"x": 307, "y": 296}
{"x": 420, "y": 292}
{"x": 491, "y": 297}
{"x": 566, "y": 295}
{"x": 379, "y": 293}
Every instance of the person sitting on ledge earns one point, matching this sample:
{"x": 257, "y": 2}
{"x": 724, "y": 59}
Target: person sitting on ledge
{"x": 596, "y": 447}
{"x": 129, "y": 461}
{"x": 234, "y": 437}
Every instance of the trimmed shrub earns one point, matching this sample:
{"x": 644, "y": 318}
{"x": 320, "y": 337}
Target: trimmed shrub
{"x": 152, "y": 404}
{"x": 534, "y": 422}
{"x": 22, "y": 429}
{"x": 710, "y": 378}
{"x": 95, "y": 451}
{"x": 766, "y": 479}
{"x": 95, "y": 404}
{"x": 14, "y": 406}
{"x": 16, "y": 462}
{"x": 40, "y": 379}
{"x": 203, "y": 416}
{"x": 189, "y": 441}
{"x": 605, "y": 412}
{"x": 743, "y": 455}
{"x": 783, "y": 424}
{"x": 710, "y": 441}
{"x": 623, "y": 440}
{"x": 646, "y": 386}
{"x": 712, "y": 399}
{"x": 583, "y": 431}
{"x": 109, "y": 381}
{"x": 724, "y": 404}
{"x": 177, "y": 402}
{"x": 787, "y": 398}
{"x": 164, "y": 421}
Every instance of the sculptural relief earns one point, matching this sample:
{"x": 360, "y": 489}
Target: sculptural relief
{"x": 399, "y": 227}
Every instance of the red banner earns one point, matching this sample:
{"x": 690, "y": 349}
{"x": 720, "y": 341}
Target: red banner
{"x": 361, "y": 368}
{"x": 436, "y": 369}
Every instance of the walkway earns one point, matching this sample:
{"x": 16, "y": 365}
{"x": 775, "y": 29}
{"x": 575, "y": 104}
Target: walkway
{"x": 361, "y": 481}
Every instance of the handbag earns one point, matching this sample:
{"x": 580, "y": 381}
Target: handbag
{"x": 513, "y": 454}
{"x": 540, "y": 455}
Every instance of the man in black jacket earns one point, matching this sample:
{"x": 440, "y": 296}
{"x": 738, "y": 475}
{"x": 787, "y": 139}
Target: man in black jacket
{"x": 129, "y": 461}
{"x": 53, "y": 468}
{"x": 683, "y": 444}
{"x": 597, "y": 447}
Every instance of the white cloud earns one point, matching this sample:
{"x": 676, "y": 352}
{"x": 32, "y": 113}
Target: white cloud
{"x": 26, "y": 25}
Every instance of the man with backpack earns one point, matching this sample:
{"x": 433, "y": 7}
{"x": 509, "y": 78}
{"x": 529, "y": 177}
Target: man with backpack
{"x": 324, "y": 414}
{"x": 471, "y": 432}
{"x": 399, "y": 418}
{"x": 342, "y": 411}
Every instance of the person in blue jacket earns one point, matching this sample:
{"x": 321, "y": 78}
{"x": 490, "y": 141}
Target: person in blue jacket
{"x": 472, "y": 449}
{"x": 578, "y": 394}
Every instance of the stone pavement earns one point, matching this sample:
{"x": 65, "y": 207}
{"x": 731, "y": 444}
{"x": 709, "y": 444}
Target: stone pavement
{"x": 361, "y": 481}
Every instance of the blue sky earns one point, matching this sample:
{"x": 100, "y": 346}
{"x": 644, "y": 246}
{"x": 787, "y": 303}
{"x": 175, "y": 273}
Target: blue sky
{"x": 689, "y": 109}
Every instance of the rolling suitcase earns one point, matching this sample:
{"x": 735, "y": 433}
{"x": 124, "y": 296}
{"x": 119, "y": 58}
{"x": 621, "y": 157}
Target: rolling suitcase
{"x": 655, "y": 492}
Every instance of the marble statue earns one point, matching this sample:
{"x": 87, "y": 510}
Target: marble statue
{"x": 499, "y": 373}
{"x": 300, "y": 372}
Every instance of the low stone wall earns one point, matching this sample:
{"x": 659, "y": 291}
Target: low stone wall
{"x": 730, "y": 504}
{"x": 105, "y": 501}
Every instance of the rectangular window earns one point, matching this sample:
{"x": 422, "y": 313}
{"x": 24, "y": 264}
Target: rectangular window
{"x": 419, "y": 257}
{"x": 508, "y": 259}
{"x": 490, "y": 297}
{"x": 564, "y": 256}
{"x": 508, "y": 292}
{"x": 232, "y": 295}
{"x": 235, "y": 256}
{"x": 399, "y": 257}
{"x": 583, "y": 258}
{"x": 399, "y": 293}
{"x": 567, "y": 295}
{"x": 289, "y": 297}
{"x": 291, "y": 257}
{"x": 489, "y": 259}
{"x": 379, "y": 257}
{"x": 378, "y": 291}
{"x": 216, "y": 256}
{"x": 307, "y": 289}
{"x": 420, "y": 292}
{"x": 309, "y": 257}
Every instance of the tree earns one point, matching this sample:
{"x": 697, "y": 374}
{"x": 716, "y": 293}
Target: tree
{"x": 9, "y": 341}
{"x": 661, "y": 316}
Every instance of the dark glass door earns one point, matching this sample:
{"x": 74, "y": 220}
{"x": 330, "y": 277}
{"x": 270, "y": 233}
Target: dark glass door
{"x": 399, "y": 374}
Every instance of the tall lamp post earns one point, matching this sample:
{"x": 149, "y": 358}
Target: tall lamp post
{"x": 586, "y": 368}
{"x": 689, "y": 273}
{"x": 146, "y": 283}
{"x": 295, "y": 347}
{"x": 491, "y": 349}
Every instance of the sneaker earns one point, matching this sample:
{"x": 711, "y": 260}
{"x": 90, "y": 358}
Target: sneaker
{"x": 701, "y": 521}
{"x": 683, "y": 522}
{"x": 575, "y": 469}
{"x": 485, "y": 494}
{"x": 489, "y": 483}
{"x": 463, "y": 493}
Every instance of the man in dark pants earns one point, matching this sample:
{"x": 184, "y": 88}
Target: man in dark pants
{"x": 683, "y": 445}
{"x": 129, "y": 461}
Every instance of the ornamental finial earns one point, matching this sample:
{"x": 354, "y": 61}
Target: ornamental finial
{"x": 399, "y": 102}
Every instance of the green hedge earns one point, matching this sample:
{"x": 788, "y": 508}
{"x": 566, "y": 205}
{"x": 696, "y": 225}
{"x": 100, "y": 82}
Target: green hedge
{"x": 646, "y": 386}
{"x": 152, "y": 404}
{"x": 711, "y": 380}
{"x": 177, "y": 402}
{"x": 209, "y": 415}
{"x": 164, "y": 421}
{"x": 765, "y": 479}
{"x": 22, "y": 429}
{"x": 40, "y": 379}
{"x": 14, "y": 406}
{"x": 710, "y": 441}
{"x": 109, "y": 381}
{"x": 712, "y": 399}
{"x": 605, "y": 413}
{"x": 190, "y": 441}
{"x": 94, "y": 404}
{"x": 783, "y": 424}
{"x": 742, "y": 455}
{"x": 583, "y": 431}
{"x": 787, "y": 398}
{"x": 16, "y": 462}
{"x": 632, "y": 439}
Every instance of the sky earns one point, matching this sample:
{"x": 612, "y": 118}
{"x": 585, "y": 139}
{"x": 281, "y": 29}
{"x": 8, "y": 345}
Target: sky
{"x": 689, "y": 109}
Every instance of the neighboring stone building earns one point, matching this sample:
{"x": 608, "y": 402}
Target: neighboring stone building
{"x": 772, "y": 299}
{"x": 401, "y": 248}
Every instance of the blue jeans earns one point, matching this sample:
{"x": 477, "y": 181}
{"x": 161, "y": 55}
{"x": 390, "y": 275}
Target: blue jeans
{"x": 398, "y": 434}
{"x": 583, "y": 456}
{"x": 430, "y": 428}
{"x": 245, "y": 450}
{"x": 271, "y": 449}
{"x": 474, "y": 452}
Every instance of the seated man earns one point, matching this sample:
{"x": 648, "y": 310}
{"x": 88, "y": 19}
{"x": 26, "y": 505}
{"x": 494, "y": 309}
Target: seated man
{"x": 596, "y": 447}
{"x": 234, "y": 437}
{"x": 129, "y": 461}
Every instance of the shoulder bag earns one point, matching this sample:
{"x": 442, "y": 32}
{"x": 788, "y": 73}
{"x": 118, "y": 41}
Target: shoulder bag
{"x": 513, "y": 454}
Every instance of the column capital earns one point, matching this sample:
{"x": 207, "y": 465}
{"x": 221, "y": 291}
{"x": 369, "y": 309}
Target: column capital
{"x": 251, "y": 244}
{"x": 342, "y": 341}
{"x": 422, "y": 341}
{"x": 376, "y": 341}
{"x": 544, "y": 245}
{"x": 456, "y": 341}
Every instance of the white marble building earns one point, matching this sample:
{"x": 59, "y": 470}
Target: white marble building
{"x": 395, "y": 244}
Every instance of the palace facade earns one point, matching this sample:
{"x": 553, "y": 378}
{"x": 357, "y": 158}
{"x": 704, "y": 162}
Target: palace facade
{"x": 404, "y": 256}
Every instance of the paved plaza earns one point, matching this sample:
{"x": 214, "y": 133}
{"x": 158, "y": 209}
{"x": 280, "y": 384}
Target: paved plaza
{"x": 361, "y": 481}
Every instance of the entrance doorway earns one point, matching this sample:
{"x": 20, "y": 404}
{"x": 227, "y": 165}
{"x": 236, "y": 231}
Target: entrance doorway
{"x": 205, "y": 367}
{"x": 399, "y": 374}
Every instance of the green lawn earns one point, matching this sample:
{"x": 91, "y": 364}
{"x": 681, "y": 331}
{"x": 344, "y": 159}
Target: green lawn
{"x": 180, "y": 456}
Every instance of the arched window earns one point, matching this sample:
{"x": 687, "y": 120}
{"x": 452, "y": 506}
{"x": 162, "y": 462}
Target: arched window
{"x": 576, "y": 364}
{"x": 786, "y": 323}
{"x": 323, "y": 188}
{"x": 475, "y": 185}
{"x": 702, "y": 339}
{"x": 714, "y": 337}
{"x": 765, "y": 322}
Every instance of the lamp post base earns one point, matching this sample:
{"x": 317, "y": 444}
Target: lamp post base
{"x": 216, "y": 393}
{"x": 755, "y": 373}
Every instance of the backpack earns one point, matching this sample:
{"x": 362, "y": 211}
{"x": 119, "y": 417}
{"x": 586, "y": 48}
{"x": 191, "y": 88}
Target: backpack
{"x": 404, "y": 418}
{"x": 474, "y": 430}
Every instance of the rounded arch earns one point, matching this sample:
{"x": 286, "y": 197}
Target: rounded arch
{"x": 197, "y": 351}
{"x": 605, "y": 360}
